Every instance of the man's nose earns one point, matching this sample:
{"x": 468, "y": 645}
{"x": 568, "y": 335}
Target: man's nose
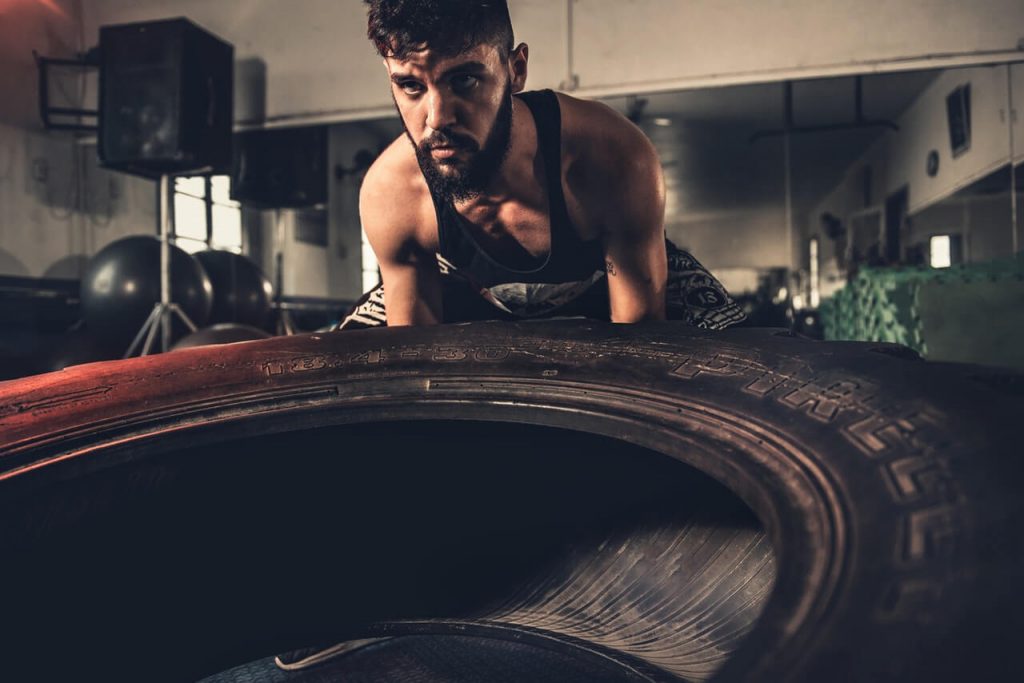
{"x": 440, "y": 111}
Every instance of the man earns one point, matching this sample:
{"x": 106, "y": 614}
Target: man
{"x": 503, "y": 204}
{"x": 500, "y": 204}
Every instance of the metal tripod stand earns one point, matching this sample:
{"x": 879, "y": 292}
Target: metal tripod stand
{"x": 285, "y": 325}
{"x": 164, "y": 311}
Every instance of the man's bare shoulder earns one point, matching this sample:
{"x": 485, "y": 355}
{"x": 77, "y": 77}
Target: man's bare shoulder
{"x": 611, "y": 166}
{"x": 593, "y": 128}
{"x": 394, "y": 202}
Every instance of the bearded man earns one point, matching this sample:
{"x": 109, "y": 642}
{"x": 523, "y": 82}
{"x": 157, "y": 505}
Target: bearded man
{"x": 503, "y": 204}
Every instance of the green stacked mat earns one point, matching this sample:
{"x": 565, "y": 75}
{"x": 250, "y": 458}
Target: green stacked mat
{"x": 967, "y": 313}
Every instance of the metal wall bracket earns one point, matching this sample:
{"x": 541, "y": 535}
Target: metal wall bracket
{"x": 570, "y": 84}
{"x": 90, "y": 60}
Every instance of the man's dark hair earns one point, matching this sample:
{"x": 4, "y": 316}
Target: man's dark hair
{"x": 448, "y": 27}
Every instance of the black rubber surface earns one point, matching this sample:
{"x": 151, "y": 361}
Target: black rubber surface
{"x": 427, "y": 659}
{"x": 577, "y": 488}
{"x": 599, "y": 545}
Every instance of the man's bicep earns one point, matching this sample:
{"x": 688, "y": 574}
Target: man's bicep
{"x": 412, "y": 293}
{"x": 412, "y": 289}
{"x": 637, "y": 271}
{"x": 634, "y": 240}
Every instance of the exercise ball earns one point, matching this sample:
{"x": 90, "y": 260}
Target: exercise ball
{"x": 221, "y": 333}
{"x": 122, "y": 284}
{"x": 241, "y": 292}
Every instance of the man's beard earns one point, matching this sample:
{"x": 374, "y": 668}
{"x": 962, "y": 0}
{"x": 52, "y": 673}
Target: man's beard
{"x": 476, "y": 172}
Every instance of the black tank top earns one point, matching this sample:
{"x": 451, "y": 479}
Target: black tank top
{"x": 570, "y": 259}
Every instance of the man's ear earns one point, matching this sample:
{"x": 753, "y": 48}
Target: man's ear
{"x": 517, "y": 66}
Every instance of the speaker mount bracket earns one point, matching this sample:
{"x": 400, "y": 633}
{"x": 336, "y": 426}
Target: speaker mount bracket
{"x": 71, "y": 116}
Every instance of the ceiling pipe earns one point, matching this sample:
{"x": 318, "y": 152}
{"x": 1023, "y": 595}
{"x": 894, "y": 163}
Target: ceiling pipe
{"x": 572, "y": 79}
{"x": 858, "y": 122}
{"x": 1011, "y": 119}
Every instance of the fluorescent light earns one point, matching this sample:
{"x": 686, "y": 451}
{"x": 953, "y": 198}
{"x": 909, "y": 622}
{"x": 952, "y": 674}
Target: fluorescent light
{"x": 815, "y": 276}
{"x": 663, "y": 122}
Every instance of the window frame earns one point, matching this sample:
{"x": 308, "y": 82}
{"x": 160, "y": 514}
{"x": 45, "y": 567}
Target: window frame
{"x": 208, "y": 204}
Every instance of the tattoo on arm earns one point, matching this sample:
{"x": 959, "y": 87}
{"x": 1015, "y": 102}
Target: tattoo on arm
{"x": 609, "y": 267}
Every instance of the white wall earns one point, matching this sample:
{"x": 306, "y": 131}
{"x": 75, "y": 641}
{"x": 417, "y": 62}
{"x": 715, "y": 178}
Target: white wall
{"x": 749, "y": 238}
{"x": 318, "y": 60}
{"x": 320, "y": 66}
{"x": 57, "y": 207}
{"x": 319, "y": 63}
{"x": 924, "y": 127}
{"x": 898, "y": 160}
{"x": 1017, "y": 90}
{"x": 651, "y": 43}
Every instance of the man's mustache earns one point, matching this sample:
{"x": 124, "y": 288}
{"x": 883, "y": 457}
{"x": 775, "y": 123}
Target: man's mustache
{"x": 443, "y": 138}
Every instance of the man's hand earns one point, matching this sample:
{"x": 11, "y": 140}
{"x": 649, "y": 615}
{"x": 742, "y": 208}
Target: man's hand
{"x": 412, "y": 291}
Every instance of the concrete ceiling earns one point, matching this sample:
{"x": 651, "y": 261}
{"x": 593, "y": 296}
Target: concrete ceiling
{"x": 823, "y": 100}
{"x": 712, "y": 165}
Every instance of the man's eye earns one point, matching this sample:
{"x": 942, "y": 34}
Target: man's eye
{"x": 464, "y": 82}
{"x": 411, "y": 88}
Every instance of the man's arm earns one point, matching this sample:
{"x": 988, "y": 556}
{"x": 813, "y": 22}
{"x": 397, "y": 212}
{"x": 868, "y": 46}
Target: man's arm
{"x": 634, "y": 243}
{"x": 393, "y": 225}
{"x": 626, "y": 186}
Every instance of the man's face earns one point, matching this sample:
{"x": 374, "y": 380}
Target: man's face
{"x": 457, "y": 112}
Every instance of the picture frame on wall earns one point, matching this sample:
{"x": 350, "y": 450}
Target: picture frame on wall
{"x": 958, "y": 116}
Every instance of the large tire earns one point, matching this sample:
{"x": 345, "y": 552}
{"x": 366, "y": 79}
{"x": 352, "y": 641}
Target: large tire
{"x": 168, "y": 517}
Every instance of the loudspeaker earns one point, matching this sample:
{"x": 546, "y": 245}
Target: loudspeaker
{"x": 166, "y": 91}
{"x": 280, "y": 168}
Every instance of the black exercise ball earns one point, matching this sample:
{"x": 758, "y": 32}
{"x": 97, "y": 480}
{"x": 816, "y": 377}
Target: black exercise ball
{"x": 221, "y": 333}
{"x": 241, "y": 292}
{"x": 122, "y": 284}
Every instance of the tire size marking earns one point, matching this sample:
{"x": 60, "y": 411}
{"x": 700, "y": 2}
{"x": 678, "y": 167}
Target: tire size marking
{"x": 449, "y": 353}
{"x": 442, "y": 354}
{"x": 55, "y": 402}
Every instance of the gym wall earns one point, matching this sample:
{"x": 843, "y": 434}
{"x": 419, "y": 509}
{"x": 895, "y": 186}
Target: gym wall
{"x": 57, "y": 207}
{"x": 924, "y": 127}
{"x": 898, "y": 159}
{"x": 748, "y": 238}
{"x": 336, "y": 75}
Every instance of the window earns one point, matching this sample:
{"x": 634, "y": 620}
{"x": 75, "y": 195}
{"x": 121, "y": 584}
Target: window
{"x": 371, "y": 272}
{"x": 940, "y": 252}
{"x": 204, "y": 215}
{"x": 815, "y": 297}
